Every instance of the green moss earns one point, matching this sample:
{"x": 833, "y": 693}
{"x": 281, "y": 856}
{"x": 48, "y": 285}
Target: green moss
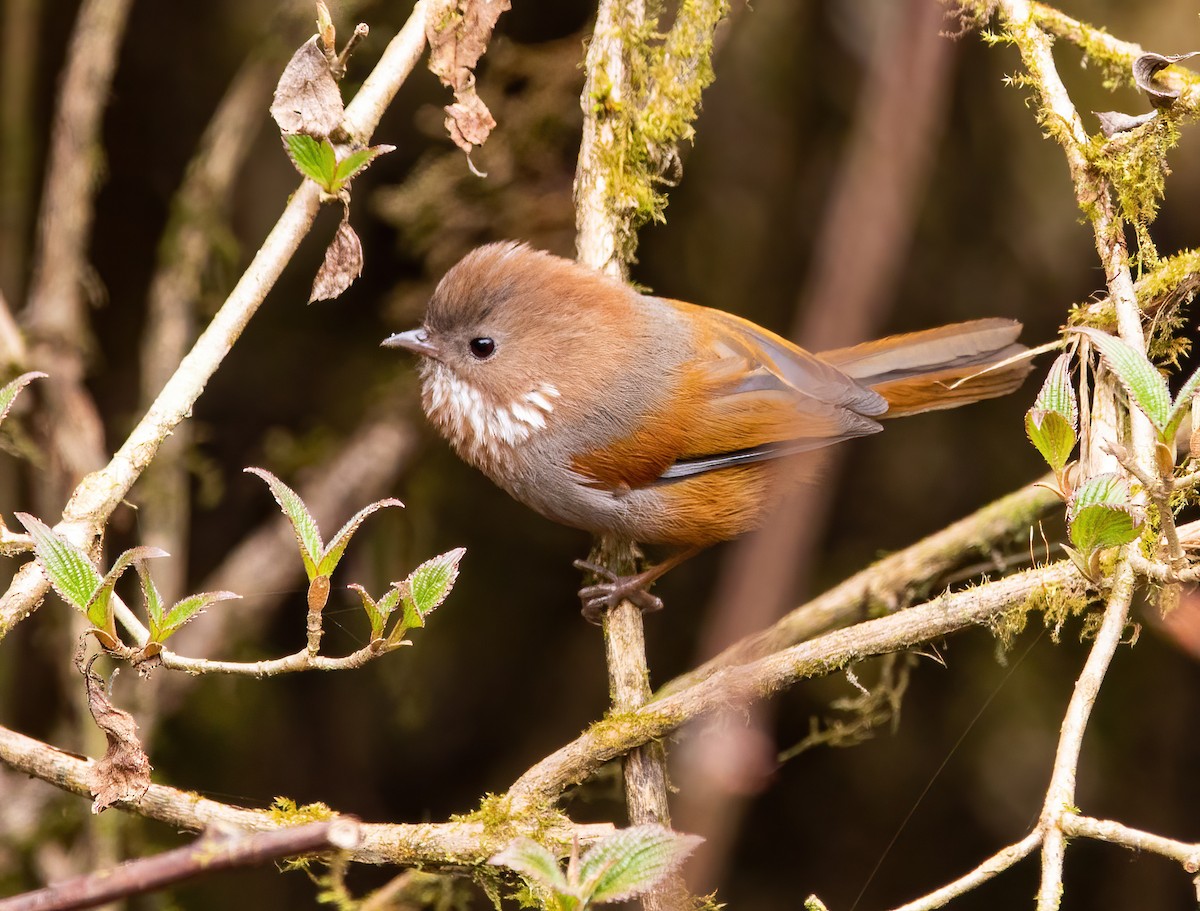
{"x": 1053, "y": 602}
{"x": 1115, "y": 68}
{"x": 1135, "y": 164}
{"x": 285, "y": 812}
{"x": 667, "y": 73}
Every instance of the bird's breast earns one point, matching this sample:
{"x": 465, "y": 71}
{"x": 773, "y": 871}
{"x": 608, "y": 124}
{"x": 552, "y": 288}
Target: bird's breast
{"x": 485, "y": 432}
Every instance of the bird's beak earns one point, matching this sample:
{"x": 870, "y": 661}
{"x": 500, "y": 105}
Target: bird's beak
{"x": 415, "y": 340}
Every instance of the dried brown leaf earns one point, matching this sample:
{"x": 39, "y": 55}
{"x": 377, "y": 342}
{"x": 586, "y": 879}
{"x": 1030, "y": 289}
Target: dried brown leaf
{"x": 307, "y": 99}
{"x": 124, "y": 771}
{"x": 343, "y": 264}
{"x": 458, "y": 32}
{"x": 468, "y": 121}
{"x": 1114, "y": 122}
{"x": 1144, "y": 70}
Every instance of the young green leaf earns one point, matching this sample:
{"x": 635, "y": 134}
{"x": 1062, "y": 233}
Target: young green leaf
{"x": 154, "y": 602}
{"x": 1101, "y": 514}
{"x": 97, "y": 607}
{"x": 1052, "y": 435}
{"x": 1183, "y": 401}
{"x": 187, "y": 609}
{"x": 533, "y": 862}
{"x": 1141, "y": 379}
{"x": 67, "y": 567}
{"x": 378, "y": 611}
{"x": 330, "y": 555}
{"x": 314, "y": 159}
{"x": 630, "y": 861}
{"x": 355, "y": 163}
{"x": 430, "y": 583}
{"x": 303, "y": 524}
{"x": 9, "y": 393}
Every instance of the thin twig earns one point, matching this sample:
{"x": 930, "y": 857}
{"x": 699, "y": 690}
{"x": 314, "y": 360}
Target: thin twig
{"x": 211, "y": 853}
{"x": 463, "y": 842}
{"x": 887, "y": 582}
{"x": 99, "y": 494}
{"x": 1187, "y": 854}
{"x": 1060, "y": 794}
{"x": 265, "y": 566}
{"x": 198, "y": 211}
{"x": 599, "y": 244}
{"x": 989, "y": 869}
{"x": 759, "y": 679}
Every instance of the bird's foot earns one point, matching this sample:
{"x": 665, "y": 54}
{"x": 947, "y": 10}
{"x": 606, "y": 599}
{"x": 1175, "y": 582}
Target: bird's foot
{"x": 601, "y": 596}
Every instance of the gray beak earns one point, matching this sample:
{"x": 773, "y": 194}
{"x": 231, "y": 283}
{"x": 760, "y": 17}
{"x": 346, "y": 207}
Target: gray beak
{"x": 414, "y": 340}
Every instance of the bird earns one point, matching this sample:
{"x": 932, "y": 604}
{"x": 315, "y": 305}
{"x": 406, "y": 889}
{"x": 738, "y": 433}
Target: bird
{"x": 656, "y": 420}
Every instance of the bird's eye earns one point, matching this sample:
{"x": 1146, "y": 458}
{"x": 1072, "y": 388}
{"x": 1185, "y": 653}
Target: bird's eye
{"x": 482, "y": 348}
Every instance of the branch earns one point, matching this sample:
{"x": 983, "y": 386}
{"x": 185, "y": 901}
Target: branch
{"x": 887, "y": 582}
{"x": 99, "y": 494}
{"x": 989, "y": 869}
{"x": 265, "y": 563}
{"x": 1112, "y": 52}
{"x": 209, "y": 854}
{"x": 740, "y": 684}
{"x": 465, "y": 842}
{"x": 1060, "y": 795}
{"x": 198, "y": 213}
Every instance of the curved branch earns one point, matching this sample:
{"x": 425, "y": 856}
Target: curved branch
{"x": 459, "y": 843}
{"x": 733, "y": 686}
{"x": 100, "y": 492}
{"x": 886, "y": 581}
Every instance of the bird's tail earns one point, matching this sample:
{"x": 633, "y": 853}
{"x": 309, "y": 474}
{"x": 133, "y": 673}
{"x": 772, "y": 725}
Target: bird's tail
{"x": 938, "y": 368}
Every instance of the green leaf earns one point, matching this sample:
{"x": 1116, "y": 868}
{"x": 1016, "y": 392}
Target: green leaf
{"x": 97, "y": 607}
{"x": 1101, "y": 514}
{"x": 315, "y": 160}
{"x": 8, "y": 394}
{"x": 1052, "y": 434}
{"x": 355, "y": 163}
{"x": 187, "y": 609}
{"x": 1057, "y": 394}
{"x": 533, "y": 862}
{"x": 1183, "y": 401}
{"x": 630, "y": 861}
{"x": 1141, "y": 379}
{"x": 154, "y": 603}
{"x": 333, "y": 553}
{"x": 307, "y": 534}
{"x": 430, "y": 583}
{"x": 378, "y": 611}
{"x": 67, "y": 567}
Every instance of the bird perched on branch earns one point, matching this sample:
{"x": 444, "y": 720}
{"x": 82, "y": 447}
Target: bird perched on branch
{"x": 657, "y": 420}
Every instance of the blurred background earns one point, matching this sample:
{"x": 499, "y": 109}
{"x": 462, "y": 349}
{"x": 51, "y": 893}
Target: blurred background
{"x": 853, "y": 174}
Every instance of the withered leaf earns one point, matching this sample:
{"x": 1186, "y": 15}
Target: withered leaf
{"x": 124, "y": 771}
{"x": 343, "y": 264}
{"x": 1114, "y": 122}
{"x": 458, "y": 32}
{"x": 468, "y": 121}
{"x": 1144, "y": 69}
{"x": 307, "y": 99}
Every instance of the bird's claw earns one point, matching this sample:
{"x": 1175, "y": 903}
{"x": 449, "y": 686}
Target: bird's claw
{"x": 602, "y": 596}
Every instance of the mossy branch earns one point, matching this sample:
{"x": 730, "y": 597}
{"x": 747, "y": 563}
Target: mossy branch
{"x": 641, "y": 97}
